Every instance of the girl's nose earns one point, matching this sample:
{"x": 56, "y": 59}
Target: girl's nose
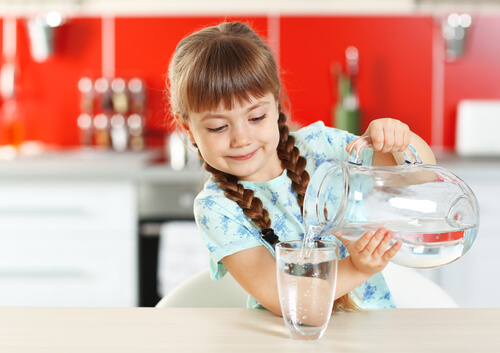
{"x": 240, "y": 137}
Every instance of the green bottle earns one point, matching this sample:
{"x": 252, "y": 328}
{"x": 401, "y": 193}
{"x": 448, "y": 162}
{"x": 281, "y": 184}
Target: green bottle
{"x": 347, "y": 114}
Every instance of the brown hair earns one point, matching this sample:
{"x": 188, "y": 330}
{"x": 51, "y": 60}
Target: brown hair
{"x": 230, "y": 63}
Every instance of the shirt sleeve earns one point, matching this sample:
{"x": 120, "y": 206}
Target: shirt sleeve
{"x": 225, "y": 230}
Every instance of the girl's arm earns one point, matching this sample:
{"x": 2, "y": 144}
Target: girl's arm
{"x": 255, "y": 268}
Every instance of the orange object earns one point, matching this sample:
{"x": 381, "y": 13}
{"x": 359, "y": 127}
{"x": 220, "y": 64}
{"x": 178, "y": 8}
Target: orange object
{"x": 12, "y": 128}
{"x": 13, "y": 133}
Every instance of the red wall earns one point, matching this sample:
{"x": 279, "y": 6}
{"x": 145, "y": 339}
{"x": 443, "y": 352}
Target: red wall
{"x": 144, "y": 47}
{"x": 396, "y": 74}
{"x": 47, "y": 99}
{"x": 474, "y": 76}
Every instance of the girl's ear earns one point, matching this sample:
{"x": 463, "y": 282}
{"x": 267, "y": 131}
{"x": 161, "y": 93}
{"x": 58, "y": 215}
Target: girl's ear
{"x": 185, "y": 127}
{"x": 190, "y": 135}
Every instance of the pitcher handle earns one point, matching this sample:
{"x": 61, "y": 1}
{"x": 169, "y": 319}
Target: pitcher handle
{"x": 410, "y": 154}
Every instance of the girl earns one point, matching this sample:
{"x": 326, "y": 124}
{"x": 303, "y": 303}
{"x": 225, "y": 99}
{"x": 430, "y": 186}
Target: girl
{"x": 225, "y": 93}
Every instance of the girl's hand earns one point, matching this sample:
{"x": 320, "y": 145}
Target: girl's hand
{"x": 371, "y": 253}
{"x": 388, "y": 136}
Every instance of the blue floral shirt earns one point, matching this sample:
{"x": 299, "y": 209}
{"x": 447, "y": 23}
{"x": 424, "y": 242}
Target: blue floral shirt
{"x": 227, "y": 230}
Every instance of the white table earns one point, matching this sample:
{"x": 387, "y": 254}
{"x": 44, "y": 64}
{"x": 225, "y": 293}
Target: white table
{"x": 94, "y": 330}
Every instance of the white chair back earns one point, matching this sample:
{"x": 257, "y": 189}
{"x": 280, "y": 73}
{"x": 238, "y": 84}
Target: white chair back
{"x": 200, "y": 291}
{"x": 411, "y": 289}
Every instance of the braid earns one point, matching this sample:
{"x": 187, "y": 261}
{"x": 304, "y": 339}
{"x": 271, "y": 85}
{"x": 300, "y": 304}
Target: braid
{"x": 292, "y": 161}
{"x": 251, "y": 206}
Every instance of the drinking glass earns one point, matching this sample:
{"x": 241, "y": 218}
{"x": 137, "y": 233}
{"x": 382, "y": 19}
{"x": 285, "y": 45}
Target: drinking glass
{"x": 306, "y": 285}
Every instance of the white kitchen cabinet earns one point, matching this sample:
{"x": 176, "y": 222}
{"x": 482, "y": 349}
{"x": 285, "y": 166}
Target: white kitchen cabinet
{"x": 68, "y": 242}
{"x": 473, "y": 279}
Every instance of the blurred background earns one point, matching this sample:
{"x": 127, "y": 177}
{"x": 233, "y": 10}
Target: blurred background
{"x": 96, "y": 186}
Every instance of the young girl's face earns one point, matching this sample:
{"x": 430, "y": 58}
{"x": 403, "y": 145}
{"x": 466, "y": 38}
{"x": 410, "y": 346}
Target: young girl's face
{"x": 241, "y": 141}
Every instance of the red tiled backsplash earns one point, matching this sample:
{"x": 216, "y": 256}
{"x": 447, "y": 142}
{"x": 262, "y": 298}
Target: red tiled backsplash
{"x": 396, "y": 76}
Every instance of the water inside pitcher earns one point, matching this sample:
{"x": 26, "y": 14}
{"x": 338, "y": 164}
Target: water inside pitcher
{"x": 431, "y": 210}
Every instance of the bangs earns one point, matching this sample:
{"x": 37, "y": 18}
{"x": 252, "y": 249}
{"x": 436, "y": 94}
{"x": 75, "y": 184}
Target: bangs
{"x": 228, "y": 71}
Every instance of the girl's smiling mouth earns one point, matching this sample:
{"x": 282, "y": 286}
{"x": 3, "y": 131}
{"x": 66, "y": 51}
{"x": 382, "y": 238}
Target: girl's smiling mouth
{"x": 243, "y": 157}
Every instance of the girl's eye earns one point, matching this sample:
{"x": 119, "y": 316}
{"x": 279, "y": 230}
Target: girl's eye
{"x": 259, "y": 118}
{"x": 217, "y": 129}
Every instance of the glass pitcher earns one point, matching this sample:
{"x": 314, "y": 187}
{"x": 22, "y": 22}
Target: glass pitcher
{"x": 432, "y": 211}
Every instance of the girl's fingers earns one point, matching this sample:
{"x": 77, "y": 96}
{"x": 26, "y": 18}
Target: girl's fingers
{"x": 399, "y": 141}
{"x": 378, "y": 139}
{"x": 360, "y": 244}
{"x": 389, "y": 135}
{"x": 406, "y": 137}
{"x": 389, "y": 254}
{"x": 375, "y": 241}
{"x": 384, "y": 244}
{"x": 376, "y": 244}
{"x": 403, "y": 138}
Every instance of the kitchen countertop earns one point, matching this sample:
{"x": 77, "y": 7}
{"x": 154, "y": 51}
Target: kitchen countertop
{"x": 471, "y": 168}
{"x": 454, "y": 161}
{"x": 81, "y": 163}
